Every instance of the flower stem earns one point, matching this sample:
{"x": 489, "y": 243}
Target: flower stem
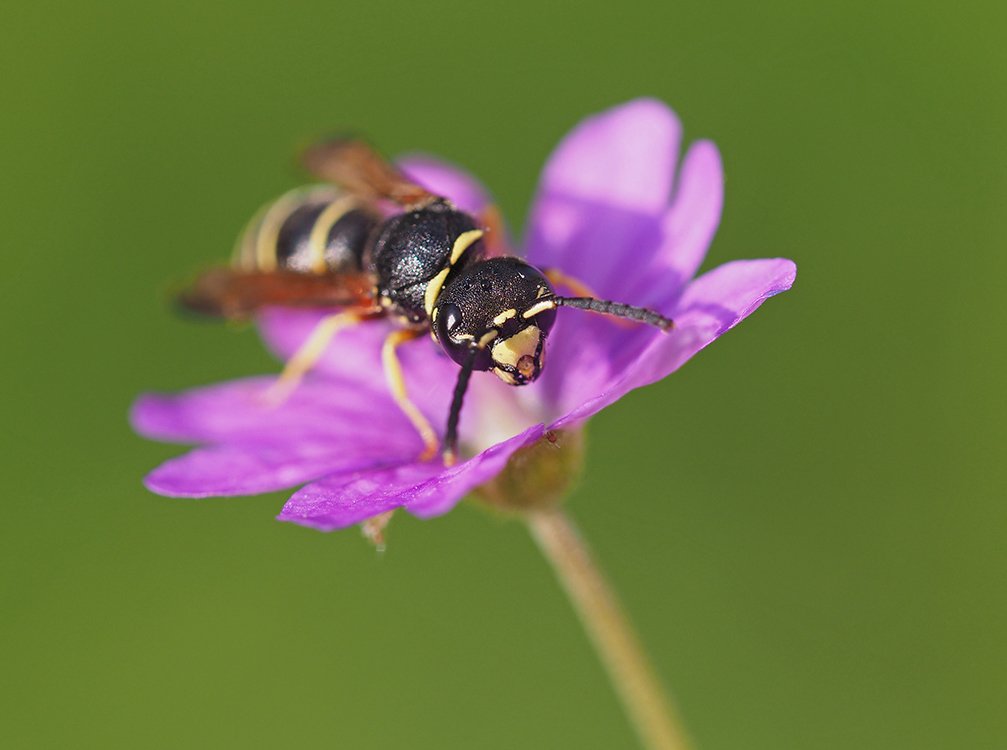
{"x": 649, "y": 708}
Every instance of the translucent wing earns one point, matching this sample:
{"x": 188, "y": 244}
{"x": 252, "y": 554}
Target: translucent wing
{"x": 233, "y": 293}
{"x": 360, "y": 169}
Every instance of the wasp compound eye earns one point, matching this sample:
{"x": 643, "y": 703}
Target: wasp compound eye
{"x": 451, "y": 318}
{"x": 455, "y": 339}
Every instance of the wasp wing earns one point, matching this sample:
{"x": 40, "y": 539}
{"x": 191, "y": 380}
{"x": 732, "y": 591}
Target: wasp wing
{"x": 360, "y": 169}
{"x": 233, "y": 293}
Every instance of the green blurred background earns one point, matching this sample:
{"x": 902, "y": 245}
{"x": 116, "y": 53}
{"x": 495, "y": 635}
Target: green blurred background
{"x": 806, "y": 522}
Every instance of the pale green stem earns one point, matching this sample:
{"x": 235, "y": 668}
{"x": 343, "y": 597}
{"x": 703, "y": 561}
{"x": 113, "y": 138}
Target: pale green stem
{"x": 648, "y": 706}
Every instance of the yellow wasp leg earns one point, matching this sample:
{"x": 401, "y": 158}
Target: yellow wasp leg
{"x": 397, "y": 384}
{"x": 578, "y": 287}
{"x": 496, "y": 241}
{"x": 308, "y": 354}
{"x": 373, "y": 529}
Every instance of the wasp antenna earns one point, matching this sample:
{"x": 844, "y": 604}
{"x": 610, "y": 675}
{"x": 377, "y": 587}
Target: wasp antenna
{"x": 618, "y": 310}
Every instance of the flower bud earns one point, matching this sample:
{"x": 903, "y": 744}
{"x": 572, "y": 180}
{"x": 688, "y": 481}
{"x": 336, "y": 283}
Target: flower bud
{"x": 538, "y": 476}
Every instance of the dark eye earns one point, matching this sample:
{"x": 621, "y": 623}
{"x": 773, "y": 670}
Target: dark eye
{"x": 451, "y": 314}
{"x": 448, "y": 324}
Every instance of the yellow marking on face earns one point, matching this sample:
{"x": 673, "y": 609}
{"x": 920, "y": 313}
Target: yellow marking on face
{"x": 503, "y": 317}
{"x": 463, "y": 242}
{"x": 434, "y": 290}
{"x": 523, "y": 343}
{"x": 319, "y": 237}
{"x": 542, "y": 291}
{"x": 504, "y": 376}
{"x": 488, "y": 337}
{"x": 539, "y": 307}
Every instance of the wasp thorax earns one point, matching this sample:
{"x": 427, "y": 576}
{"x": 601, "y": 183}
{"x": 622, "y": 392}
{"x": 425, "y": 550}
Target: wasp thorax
{"x": 503, "y": 309}
{"x": 414, "y": 252}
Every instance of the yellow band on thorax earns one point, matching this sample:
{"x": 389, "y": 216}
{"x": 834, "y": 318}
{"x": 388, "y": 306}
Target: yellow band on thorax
{"x": 463, "y": 242}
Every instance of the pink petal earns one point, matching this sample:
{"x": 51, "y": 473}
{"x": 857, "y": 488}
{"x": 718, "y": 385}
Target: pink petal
{"x": 447, "y": 180}
{"x": 327, "y": 408}
{"x": 424, "y": 489}
{"x": 600, "y": 216}
{"x": 695, "y": 212}
{"x": 325, "y": 425}
{"x": 624, "y": 157}
{"x": 251, "y": 469}
{"x": 714, "y": 303}
{"x": 602, "y": 196}
{"x": 687, "y": 228}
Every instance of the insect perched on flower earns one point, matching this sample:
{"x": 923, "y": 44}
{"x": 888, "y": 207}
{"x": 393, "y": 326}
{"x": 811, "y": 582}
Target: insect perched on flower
{"x": 427, "y": 269}
{"x": 608, "y": 223}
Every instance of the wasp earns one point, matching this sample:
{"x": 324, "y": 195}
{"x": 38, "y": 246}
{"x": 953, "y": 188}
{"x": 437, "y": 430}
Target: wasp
{"x": 426, "y": 265}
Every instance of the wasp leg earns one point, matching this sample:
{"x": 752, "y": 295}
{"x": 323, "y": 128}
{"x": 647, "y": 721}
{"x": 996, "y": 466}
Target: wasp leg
{"x": 397, "y": 383}
{"x": 373, "y": 529}
{"x": 307, "y": 356}
{"x": 497, "y": 241}
{"x": 575, "y": 285}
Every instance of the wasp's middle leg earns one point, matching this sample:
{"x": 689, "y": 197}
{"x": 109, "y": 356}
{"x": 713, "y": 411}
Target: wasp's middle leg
{"x": 397, "y": 384}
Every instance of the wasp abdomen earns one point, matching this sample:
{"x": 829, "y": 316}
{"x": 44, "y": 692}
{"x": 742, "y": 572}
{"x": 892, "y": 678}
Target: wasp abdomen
{"x": 309, "y": 230}
{"x": 308, "y": 236}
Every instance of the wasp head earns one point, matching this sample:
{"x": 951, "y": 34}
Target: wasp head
{"x": 498, "y": 311}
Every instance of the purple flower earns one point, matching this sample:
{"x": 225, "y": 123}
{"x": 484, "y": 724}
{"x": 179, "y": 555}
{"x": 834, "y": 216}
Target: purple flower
{"x": 611, "y": 211}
